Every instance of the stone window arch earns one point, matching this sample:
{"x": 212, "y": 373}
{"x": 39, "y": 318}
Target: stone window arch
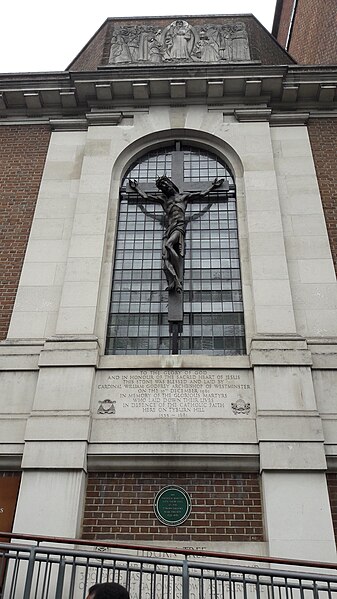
{"x": 212, "y": 294}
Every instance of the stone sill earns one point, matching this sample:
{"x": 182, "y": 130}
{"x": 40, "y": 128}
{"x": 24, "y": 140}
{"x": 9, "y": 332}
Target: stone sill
{"x": 177, "y": 361}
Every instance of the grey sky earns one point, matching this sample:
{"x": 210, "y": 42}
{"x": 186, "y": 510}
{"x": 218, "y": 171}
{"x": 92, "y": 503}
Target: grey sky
{"x": 45, "y": 36}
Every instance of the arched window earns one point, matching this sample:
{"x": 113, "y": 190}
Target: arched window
{"x": 213, "y": 321}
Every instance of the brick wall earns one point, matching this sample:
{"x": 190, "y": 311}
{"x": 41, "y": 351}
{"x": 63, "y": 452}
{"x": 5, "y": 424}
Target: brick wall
{"x": 9, "y": 488}
{"x": 332, "y": 488}
{"x": 225, "y": 507}
{"x": 313, "y": 39}
{"x": 323, "y": 136}
{"x": 282, "y": 33}
{"x": 23, "y": 152}
{"x": 91, "y": 55}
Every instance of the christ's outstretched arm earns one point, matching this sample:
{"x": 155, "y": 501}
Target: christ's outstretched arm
{"x": 200, "y": 213}
{"x": 202, "y": 194}
{"x": 159, "y": 219}
{"x": 146, "y": 196}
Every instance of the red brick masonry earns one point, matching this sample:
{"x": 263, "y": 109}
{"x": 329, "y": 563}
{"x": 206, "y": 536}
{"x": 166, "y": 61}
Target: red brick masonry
{"x": 23, "y": 151}
{"x": 225, "y": 507}
{"x": 323, "y": 136}
{"x": 282, "y": 35}
{"x": 313, "y": 39}
{"x": 313, "y": 36}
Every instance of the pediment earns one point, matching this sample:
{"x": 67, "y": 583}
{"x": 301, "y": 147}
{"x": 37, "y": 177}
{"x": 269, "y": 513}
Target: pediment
{"x": 175, "y": 41}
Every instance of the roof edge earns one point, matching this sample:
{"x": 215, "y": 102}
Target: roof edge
{"x": 135, "y": 17}
{"x": 68, "y": 68}
{"x": 277, "y": 18}
{"x": 274, "y": 38}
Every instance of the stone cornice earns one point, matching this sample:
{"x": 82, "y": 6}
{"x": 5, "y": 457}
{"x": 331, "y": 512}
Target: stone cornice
{"x": 76, "y": 94}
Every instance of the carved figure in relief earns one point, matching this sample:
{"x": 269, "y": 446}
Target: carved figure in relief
{"x": 167, "y": 48}
{"x": 119, "y": 51}
{"x": 225, "y": 43}
{"x": 207, "y": 49}
{"x": 144, "y": 39}
{"x": 133, "y": 41}
{"x": 155, "y": 49}
{"x": 181, "y": 40}
{"x": 174, "y": 204}
{"x": 239, "y": 43}
{"x": 143, "y": 49}
{"x": 115, "y": 48}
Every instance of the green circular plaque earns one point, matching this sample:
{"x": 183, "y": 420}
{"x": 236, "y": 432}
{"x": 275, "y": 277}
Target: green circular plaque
{"x": 172, "y": 506}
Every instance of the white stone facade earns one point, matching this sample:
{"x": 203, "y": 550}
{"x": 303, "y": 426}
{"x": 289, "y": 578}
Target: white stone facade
{"x": 53, "y": 360}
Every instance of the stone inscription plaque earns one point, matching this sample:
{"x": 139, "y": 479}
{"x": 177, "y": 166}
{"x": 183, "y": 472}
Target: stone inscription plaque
{"x": 146, "y": 585}
{"x": 174, "y": 394}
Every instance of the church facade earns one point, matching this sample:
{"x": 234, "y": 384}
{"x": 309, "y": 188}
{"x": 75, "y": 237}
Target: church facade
{"x": 169, "y": 305}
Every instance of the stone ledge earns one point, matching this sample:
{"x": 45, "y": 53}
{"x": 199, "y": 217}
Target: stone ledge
{"x": 70, "y": 351}
{"x": 173, "y": 463}
{"x": 20, "y": 354}
{"x": 280, "y": 350}
{"x": 332, "y": 461}
{"x": 289, "y": 119}
{"x": 46, "y": 427}
{"x": 104, "y": 118}
{"x": 324, "y": 352}
{"x": 304, "y": 427}
{"x": 278, "y": 341}
{"x": 54, "y": 455}
{"x": 69, "y": 124}
{"x": 280, "y": 357}
{"x": 11, "y": 461}
{"x": 252, "y": 115}
{"x": 203, "y": 362}
{"x": 290, "y": 455}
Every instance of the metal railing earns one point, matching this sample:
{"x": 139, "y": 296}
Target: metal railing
{"x": 32, "y": 570}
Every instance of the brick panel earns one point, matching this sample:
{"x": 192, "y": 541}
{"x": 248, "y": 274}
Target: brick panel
{"x": 332, "y": 488}
{"x": 323, "y": 135}
{"x": 23, "y": 152}
{"x": 314, "y": 39}
{"x": 91, "y": 56}
{"x": 283, "y": 29}
{"x": 225, "y": 507}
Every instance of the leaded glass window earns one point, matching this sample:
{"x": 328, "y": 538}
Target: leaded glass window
{"x": 212, "y": 293}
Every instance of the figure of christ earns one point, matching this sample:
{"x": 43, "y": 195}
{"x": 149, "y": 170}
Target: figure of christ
{"x": 174, "y": 204}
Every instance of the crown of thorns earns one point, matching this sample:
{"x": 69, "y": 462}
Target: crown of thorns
{"x": 165, "y": 179}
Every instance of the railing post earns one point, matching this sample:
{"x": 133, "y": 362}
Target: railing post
{"x": 60, "y": 579}
{"x": 30, "y": 572}
{"x": 186, "y": 580}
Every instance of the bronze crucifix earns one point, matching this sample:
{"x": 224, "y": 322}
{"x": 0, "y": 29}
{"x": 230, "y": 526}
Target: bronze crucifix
{"x": 174, "y": 204}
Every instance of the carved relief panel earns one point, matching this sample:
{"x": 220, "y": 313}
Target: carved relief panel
{"x": 179, "y": 42}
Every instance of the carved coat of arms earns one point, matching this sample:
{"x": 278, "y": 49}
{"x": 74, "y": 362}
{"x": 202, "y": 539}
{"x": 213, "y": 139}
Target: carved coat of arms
{"x": 107, "y": 407}
{"x": 240, "y": 407}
